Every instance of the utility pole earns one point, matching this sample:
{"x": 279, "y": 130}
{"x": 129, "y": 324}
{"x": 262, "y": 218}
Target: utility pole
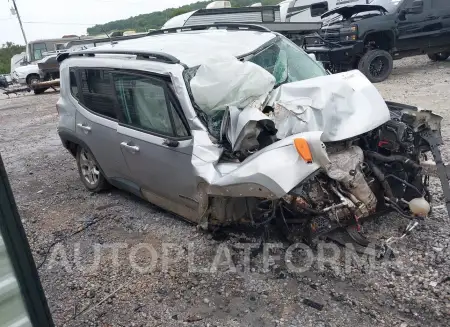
{"x": 20, "y": 21}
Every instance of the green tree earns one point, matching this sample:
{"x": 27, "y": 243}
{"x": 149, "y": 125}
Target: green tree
{"x": 7, "y": 51}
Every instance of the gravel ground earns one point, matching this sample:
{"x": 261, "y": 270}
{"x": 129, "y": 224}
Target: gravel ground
{"x": 411, "y": 290}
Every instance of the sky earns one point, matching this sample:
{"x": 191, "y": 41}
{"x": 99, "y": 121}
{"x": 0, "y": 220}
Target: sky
{"x": 62, "y": 17}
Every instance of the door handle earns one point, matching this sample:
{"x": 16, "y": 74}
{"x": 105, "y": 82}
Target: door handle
{"x": 131, "y": 148}
{"x": 84, "y": 127}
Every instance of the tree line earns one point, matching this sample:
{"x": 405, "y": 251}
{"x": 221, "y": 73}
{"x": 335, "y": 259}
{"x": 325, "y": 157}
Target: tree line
{"x": 155, "y": 20}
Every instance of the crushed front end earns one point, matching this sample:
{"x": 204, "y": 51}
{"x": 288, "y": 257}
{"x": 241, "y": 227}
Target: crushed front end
{"x": 311, "y": 156}
{"x": 386, "y": 169}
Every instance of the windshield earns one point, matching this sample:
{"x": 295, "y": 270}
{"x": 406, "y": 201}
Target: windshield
{"x": 390, "y": 5}
{"x": 283, "y": 59}
{"x": 287, "y": 62}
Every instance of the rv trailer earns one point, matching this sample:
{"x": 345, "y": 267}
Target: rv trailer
{"x": 288, "y": 11}
{"x": 266, "y": 16}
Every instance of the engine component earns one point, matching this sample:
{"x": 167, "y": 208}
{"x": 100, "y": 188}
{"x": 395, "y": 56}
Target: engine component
{"x": 394, "y": 158}
{"x": 419, "y": 207}
{"x": 345, "y": 167}
{"x": 395, "y": 135}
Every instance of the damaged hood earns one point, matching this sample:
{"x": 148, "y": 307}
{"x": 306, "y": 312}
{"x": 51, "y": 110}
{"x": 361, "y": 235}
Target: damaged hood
{"x": 349, "y": 11}
{"x": 341, "y": 106}
{"x": 322, "y": 109}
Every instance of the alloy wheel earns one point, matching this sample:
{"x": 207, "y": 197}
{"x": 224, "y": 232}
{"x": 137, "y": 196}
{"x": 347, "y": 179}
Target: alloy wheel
{"x": 378, "y": 66}
{"x": 89, "y": 168}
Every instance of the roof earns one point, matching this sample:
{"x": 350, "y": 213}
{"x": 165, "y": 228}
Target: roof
{"x": 193, "y": 47}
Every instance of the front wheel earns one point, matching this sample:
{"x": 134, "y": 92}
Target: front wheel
{"x": 377, "y": 65}
{"x": 440, "y": 56}
{"x": 89, "y": 171}
{"x": 33, "y": 79}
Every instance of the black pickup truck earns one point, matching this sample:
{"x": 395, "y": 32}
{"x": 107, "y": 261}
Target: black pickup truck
{"x": 369, "y": 37}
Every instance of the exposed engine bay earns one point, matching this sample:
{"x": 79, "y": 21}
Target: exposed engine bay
{"x": 311, "y": 156}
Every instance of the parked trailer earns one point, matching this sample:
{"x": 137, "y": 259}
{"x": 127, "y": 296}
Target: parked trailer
{"x": 266, "y": 16}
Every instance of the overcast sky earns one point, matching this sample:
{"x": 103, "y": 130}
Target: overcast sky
{"x": 64, "y": 17}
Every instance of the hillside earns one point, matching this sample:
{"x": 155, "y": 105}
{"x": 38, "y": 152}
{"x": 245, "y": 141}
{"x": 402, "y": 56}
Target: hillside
{"x": 157, "y": 19}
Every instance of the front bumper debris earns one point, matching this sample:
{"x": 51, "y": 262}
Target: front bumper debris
{"x": 443, "y": 170}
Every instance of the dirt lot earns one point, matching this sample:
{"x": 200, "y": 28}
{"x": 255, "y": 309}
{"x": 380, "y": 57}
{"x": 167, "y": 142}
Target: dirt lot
{"x": 412, "y": 290}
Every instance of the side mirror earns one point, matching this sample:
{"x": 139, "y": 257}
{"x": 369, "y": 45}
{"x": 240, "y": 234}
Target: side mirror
{"x": 416, "y": 8}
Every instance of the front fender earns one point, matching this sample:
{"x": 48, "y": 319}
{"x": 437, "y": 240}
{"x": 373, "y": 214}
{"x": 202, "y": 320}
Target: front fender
{"x": 270, "y": 173}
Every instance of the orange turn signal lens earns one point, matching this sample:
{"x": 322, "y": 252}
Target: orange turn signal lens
{"x": 303, "y": 150}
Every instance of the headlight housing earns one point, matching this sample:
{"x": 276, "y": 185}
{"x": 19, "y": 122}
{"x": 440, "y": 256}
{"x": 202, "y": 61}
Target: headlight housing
{"x": 349, "y": 33}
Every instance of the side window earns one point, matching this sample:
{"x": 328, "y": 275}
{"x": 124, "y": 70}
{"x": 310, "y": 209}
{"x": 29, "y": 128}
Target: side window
{"x": 268, "y": 15}
{"x": 98, "y": 92}
{"x": 38, "y": 51}
{"x": 318, "y": 9}
{"x": 73, "y": 85}
{"x": 145, "y": 104}
{"x": 440, "y": 4}
{"x": 179, "y": 127}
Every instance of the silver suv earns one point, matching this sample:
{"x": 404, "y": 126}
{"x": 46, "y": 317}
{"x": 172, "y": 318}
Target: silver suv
{"x": 234, "y": 124}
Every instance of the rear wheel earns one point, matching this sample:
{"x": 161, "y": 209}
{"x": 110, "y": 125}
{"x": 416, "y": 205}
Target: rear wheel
{"x": 377, "y": 65}
{"x": 89, "y": 171}
{"x": 440, "y": 56}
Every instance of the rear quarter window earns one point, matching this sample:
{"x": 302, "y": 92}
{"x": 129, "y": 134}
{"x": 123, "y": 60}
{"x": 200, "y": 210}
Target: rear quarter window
{"x": 97, "y": 92}
{"x": 73, "y": 85}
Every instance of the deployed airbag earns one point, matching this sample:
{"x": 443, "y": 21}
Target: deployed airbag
{"x": 226, "y": 81}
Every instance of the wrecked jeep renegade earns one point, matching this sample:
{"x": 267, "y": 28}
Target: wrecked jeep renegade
{"x": 243, "y": 128}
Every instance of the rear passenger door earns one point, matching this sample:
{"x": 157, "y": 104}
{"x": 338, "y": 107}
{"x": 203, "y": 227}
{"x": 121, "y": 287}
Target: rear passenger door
{"x": 97, "y": 119}
{"x": 155, "y": 140}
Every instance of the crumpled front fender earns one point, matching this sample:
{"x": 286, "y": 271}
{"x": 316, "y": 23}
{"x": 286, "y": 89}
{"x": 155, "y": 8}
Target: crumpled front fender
{"x": 270, "y": 173}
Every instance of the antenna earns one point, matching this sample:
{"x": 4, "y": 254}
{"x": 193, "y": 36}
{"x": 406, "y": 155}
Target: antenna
{"x": 109, "y": 37}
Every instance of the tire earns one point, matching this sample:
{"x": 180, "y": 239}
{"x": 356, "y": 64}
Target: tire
{"x": 89, "y": 171}
{"x": 40, "y": 91}
{"x": 377, "y": 65}
{"x": 440, "y": 56}
{"x": 32, "y": 79}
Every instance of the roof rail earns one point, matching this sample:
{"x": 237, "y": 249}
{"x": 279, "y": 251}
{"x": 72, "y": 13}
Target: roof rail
{"x": 154, "y": 56}
{"x": 228, "y": 26}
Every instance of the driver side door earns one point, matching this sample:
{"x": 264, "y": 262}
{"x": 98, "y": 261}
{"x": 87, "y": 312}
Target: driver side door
{"x": 155, "y": 141}
{"x": 415, "y": 29}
